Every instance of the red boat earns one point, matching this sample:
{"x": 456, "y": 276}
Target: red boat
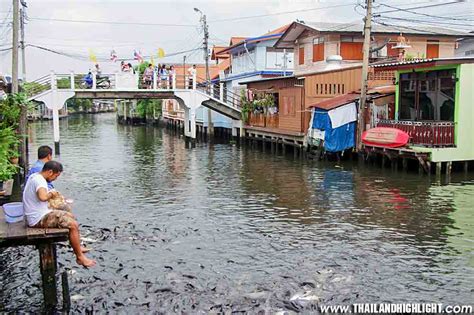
{"x": 385, "y": 137}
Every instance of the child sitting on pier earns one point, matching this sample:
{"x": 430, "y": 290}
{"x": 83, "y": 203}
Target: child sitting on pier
{"x": 38, "y": 215}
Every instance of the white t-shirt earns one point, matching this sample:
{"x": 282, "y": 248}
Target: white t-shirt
{"x": 34, "y": 208}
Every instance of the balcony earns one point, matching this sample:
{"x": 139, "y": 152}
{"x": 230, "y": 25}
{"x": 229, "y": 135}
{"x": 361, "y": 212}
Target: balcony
{"x": 430, "y": 134}
{"x": 263, "y": 120}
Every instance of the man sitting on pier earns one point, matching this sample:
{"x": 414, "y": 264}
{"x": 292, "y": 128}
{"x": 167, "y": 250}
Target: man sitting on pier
{"x": 38, "y": 215}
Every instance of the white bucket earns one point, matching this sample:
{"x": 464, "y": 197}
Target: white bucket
{"x": 13, "y": 212}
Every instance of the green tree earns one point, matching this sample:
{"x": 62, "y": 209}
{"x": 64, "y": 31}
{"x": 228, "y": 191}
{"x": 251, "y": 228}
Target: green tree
{"x": 148, "y": 107}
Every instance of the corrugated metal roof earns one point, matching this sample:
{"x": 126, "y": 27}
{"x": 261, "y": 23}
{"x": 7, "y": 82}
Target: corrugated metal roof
{"x": 453, "y": 60}
{"x": 357, "y": 27}
{"x": 353, "y": 96}
{"x": 336, "y": 101}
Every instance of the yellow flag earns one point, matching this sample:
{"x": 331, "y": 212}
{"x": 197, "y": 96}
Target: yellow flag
{"x": 152, "y": 61}
{"x": 161, "y": 53}
{"x": 92, "y": 56}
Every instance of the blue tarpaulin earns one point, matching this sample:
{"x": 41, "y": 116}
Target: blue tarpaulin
{"x": 337, "y": 139}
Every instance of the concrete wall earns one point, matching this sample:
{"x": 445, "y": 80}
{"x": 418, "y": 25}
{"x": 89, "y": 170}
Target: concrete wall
{"x": 466, "y": 48}
{"x": 464, "y": 116}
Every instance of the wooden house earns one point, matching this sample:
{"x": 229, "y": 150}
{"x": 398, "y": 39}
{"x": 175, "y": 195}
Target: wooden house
{"x": 293, "y": 95}
{"x": 314, "y": 42}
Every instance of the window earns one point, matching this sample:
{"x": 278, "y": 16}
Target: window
{"x": 427, "y": 95}
{"x": 301, "y": 55}
{"x": 276, "y": 59}
{"x": 432, "y": 49}
{"x": 351, "y": 47}
{"x": 318, "y": 49}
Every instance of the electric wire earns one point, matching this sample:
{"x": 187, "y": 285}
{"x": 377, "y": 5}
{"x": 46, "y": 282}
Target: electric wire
{"x": 111, "y": 22}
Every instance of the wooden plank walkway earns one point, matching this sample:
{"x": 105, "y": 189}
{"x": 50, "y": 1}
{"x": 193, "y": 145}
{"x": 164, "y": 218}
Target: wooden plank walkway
{"x": 18, "y": 234}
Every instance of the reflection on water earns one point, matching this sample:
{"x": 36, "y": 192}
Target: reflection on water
{"x": 220, "y": 228}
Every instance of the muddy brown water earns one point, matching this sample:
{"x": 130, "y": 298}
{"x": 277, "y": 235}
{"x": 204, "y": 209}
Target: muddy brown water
{"x": 222, "y": 228}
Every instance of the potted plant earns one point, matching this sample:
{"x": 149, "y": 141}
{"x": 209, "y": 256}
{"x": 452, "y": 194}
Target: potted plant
{"x": 8, "y": 144}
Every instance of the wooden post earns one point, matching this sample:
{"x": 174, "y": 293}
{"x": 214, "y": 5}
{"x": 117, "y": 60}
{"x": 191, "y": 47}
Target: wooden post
{"x": 48, "y": 266}
{"x": 466, "y": 167}
{"x": 66, "y": 295}
{"x": 438, "y": 169}
{"x": 405, "y": 164}
{"x": 448, "y": 168}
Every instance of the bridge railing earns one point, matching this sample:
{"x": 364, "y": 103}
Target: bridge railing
{"x": 220, "y": 92}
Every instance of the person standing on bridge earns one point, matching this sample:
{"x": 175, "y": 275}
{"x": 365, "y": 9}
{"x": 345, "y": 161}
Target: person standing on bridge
{"x": 148, "y": 76}
{"x": 163, "y": 77}
{"x": 192, "y": 73}
{"x": 38, "y": 215}
{"x": 172, "y": 74}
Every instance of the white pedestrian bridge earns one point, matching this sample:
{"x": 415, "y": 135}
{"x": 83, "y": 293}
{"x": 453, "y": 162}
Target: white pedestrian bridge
{"x": 55, "y": 89}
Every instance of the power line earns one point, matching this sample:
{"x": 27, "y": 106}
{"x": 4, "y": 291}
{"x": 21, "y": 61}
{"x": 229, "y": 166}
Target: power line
{"x": 403, "y": 28}
{"x": 111, "y": 22}
{"x": 279, "y": 13}
{"x": 102, "y": 59}
{"x": 419, "y": 7}
{"x": 425, "y": 14}
{"x": 426, "y": 22}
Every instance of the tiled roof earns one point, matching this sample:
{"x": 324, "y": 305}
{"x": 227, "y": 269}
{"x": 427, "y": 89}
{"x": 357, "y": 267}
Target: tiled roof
{"x": 236, "y": 39}
{"x": 276, "y": 33}
{"x": 222, "y": 66}
{"x": 217, "y": 52}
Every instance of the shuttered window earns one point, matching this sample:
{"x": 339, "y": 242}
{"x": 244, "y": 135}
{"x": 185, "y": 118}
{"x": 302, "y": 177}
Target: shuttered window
{"x": 301, "y": 55}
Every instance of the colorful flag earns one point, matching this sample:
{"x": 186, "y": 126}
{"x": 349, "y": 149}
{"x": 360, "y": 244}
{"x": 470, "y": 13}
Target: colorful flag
{"x": 137, "y": 55}
{"x": 92, "y": 56}
{"x": 161, "y": 53}
{"x": 113, "y": 55}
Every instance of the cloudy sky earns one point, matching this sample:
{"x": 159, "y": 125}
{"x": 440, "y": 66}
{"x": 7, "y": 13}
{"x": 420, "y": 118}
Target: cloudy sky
{"x": 68, "y": 28}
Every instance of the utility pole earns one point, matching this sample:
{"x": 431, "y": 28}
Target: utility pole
{"x": 22, "y": 41}
{"x": 184, "y": 73}
{"x": 15, "y": 46}
{"x": 210, "y": 125}
{"x": 365, "y": 71}
{"x": 22, "y": 129}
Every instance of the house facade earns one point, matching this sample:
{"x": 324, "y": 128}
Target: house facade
{"x": 314, "y": 42}
{"x": 248, "y": 59}
{"x": 433, "y": 104}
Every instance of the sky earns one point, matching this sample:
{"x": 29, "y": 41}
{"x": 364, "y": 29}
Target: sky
{"x": 65, "y": 26}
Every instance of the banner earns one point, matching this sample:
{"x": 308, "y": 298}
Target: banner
{"x": 113, "y": 55}
{"x": 161, "y": 53}
{"x": 137, "y": 55}
{"x": 92, "y": 56}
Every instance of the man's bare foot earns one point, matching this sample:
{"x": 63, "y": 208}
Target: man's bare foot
{"x": 85, "y": 249}
{"x": 86, "y": 262}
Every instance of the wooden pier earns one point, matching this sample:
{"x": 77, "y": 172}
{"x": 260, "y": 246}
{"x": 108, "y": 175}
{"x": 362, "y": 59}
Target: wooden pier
{"x": 18, "y": 234}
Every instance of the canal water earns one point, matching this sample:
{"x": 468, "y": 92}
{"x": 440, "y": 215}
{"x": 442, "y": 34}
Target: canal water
{"x": 219, "y": 228}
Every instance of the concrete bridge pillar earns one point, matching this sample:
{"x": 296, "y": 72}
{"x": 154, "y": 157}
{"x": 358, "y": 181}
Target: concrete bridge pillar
{"x": 190, "y": 122}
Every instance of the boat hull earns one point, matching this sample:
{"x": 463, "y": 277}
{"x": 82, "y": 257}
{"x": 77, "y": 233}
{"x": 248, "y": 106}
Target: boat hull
{"x": 385, "y": 137}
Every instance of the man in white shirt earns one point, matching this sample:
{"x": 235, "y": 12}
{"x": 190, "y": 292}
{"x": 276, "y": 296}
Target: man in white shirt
{"x": 38, "y": 215}
{"x": 192, "y": 73}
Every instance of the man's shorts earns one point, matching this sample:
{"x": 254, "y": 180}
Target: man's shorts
{"x": 56, "y": 219}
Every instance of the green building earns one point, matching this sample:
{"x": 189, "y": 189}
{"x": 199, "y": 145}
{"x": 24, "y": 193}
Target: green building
{"x": 434, "y": 104}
